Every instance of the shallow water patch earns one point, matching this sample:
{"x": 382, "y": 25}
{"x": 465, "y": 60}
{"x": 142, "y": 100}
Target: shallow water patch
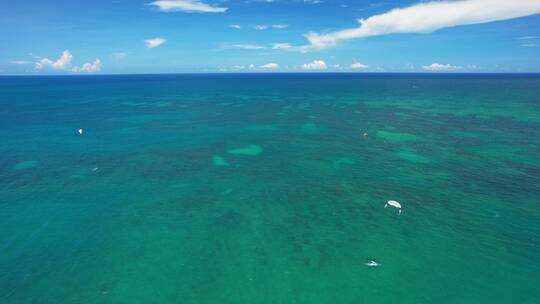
{"x": 27, "y": 164}
{"x": 412, "y": 156}
{"x": 310, "y": 128}
{"x": 219, "y": 161}
{"x": 226, "y": 192}
{"x": 250, "y": 150}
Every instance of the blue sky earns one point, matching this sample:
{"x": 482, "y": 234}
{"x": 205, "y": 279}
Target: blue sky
{"x": 169, "y": 36}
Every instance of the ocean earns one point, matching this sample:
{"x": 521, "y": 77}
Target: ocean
{"x": 263, "y": 188}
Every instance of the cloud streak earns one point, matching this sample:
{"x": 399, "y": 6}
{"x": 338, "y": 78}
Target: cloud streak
{"x": 262, "y": 27}
{"x": 358, "y": 66}
{"x": 187, "y": 6}
{"x": 269, "y": 66}
{"x": 440, "y": 67}
{"x": 528, "y": 41}
{"x": 281, "y": 46}
{"x": 428, "y": 17}
{"x": 247, "y": 46}
{"x": 19, "y": 62}
{"x": 155, "y": 42}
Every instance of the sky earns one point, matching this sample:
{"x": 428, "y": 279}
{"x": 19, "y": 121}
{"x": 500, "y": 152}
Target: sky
{"x": 201, "y": 36}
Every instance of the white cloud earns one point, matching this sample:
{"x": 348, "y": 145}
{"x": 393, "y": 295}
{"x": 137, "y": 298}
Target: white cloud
{"x": 155, "y": 42}
{"x": 440, "y": 67}
{"x": 248, "y": 46}
{"x": 281, "y": 46}
{"x": 89, "y": 67}
{"x": 269, "y": 66}
{"x": 358, "y": 66}
{"x": 529, "y": 45}
{"x": 59, "y": 64}
{"x": 238, "y": 67}
{"x": 19, "y": 62}
{"x": 188, "y": 6}
{"x": 315, "y": 65}
{"x": 261, "y": 27}
{"x": 64, "y": 62}
{"x": 427, "y": 17}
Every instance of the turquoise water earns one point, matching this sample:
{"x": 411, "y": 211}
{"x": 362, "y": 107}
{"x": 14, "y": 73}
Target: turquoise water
{"x": 263, "y": 189}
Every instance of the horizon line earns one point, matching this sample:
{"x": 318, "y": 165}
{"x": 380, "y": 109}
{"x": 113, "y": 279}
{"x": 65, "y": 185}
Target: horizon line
{"x": 268, "y": 73}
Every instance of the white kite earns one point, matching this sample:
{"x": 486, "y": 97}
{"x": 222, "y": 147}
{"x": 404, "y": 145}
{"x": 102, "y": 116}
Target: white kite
{"x": 80, "y": 131}
{"x": 393, "y": 204}
{"x": 372, "y": 263}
